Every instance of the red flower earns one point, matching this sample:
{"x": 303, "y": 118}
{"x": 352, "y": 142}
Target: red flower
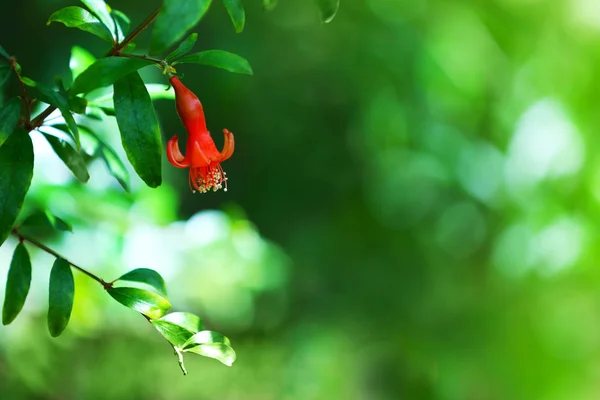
{"x": 202, "y": 157}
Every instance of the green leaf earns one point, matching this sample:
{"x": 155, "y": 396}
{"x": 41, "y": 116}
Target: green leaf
{"x": 72, "y": 159}
{"x": 178, "y": 327}
{"x": 158, "y": 91}
{"x": 102, "y": 11}
{"x": 77, "y": 17}
{"x": 220, "y": 59}
{"x": 329, "y": 9}
{"x": 17, "y": 284}
{"x": 139, "y": 128}
{"x": 174, "y": 20}
{"x": 60, "y": 299}
{"x": 147, "y": 276}
{"x": 16, "y": 171}
{"x": 184, "y": 47}
{"x": 77, "y": 104}
{"x": 3, "y": 53}
{"x": 145, "y": 302}
{"x": 45, "y": 219}
{"x": 9, "y": 116}
{"x": 80, "y": 60}
{"x": 236, "y": 13}
{"x": 5, "y": 71}
{"x": 269, "y": 4}
{"x": 211, "y": 344}
{"x": 113, "y": 163}
{"x": 123, "y": 22}
{"x": 57, "y": 99}
{"x": 106, "y": 71}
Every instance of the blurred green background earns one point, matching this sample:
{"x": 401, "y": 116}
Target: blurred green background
{"x": 411, "y": 211}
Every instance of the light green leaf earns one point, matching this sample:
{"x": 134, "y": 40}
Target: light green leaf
{"x": 269, "y": 4}
{"x": 80, "y": 60}
{"x": 9, "y": 116}
{"x": 158, "y": 91}
{"x": 123, "y": 23}
{"x": 211, "y": 344}
{"x": 102, "y": 11}
{"x": 77, "y": 17}
{"x": 147, "y": 276}
{"x": 183, "y": 48}
{"x": 139, "y": 128}
{"x": 174, "y": 20}
{"x": 220, "y": 59}
{"x": 236, "y": 13}
{"x": 178, "y": 327}
{"x": 72, "y": 159}
{"x": 16, "y": 171}
{"x": 106, "y": 71}
{"x": 329, "y": 9}
{"x": 61, "y": 295}
{"x": 145, "y": 302}
{"x": 17, "y": 284}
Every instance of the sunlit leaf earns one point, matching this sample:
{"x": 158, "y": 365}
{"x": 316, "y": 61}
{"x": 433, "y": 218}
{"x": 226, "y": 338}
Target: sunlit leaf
{"x": 9, "y": 116}
{"x": 329, "y": 9}
{"x": 178, "y": 327}
{"x": 143, "y": 301}
{"x": 16, "y": 171}
{"x": 211, "y": 344}
{"x": 71, "y": 157}
{"x": 220, "y": 59}
{"x": 175, "y": 19}
{"x": 102, "y": 11}
{"x": 159, "y": 91}
{"x": 236, "y": 13}
{"x": 147, "y": 276}
{"x": 77, "y": 17}
{"x": 106, "y": 71}
{"x": 123, "y": 23}
{"x": 183, "y": 48}
{"x": 139, "y": 128}
{"x": 61, "y": 295}
{"x": 80, "y": 60}
{"x": 17, "y": 284}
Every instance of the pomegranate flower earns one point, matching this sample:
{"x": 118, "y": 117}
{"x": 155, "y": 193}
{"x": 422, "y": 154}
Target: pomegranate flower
{"x": 202, "y": 157}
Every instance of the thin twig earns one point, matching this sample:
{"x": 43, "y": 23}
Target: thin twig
{"x": 24, "y": 99}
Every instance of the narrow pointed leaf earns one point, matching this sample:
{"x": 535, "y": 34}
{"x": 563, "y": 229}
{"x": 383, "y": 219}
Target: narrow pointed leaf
{"x": 17, "y": 284}
{"x": 61, "y": 295}
{"x": 123, "y": 23}
{"x": 113, "y": 163}
{"x": 106, "y": 71}
{"x": 220, "y": 59}
{"x": 174, "y": 20}
{"x": 143, "y": 301}
{"x": 211, "y": 344}
{"x": 147, "y": 276}
{"x": 139, "y": 128}
{"x": 101, "y": 10}
{"x": 16, "y": 171}
{"x": 178, "y": 327}
{"x": 45, "y": 219}
{"x": 183, "y": 48}
{"x": 72, "y": 159}
{"x": 329, "y": 9}
{"x": 9, "y": 116}
{"x": 80, "y": 60}
{"x": 77, "y": 17}
{"x": 236, "y": 13}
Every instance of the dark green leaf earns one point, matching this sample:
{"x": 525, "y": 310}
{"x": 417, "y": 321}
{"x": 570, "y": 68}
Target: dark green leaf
{"x": 72, "y": 159}
{"x": 5, "y": 71}
{"x": 4, "y": 53}
{"x": 123, "y": 22}
{"x": 178, "y": 327}
{"x": 145, "y": 302}
{"x": 45, "y": 219}
{"x": 80, "y": 60}
{"x": 16, "y": 171}
{"x": 101, "y": 10}
{"x": 220, "y": 59}
{"x": 236, "y": 13}
{"x": 184, "y": 47}
{"x": 17, "y": 284}
{"x": 9, "y": 116}
{"x": 61, "y": 295}
{"x": 328, "y": 9}
{"x": 106, "y": 71}
{"x": 113, "y": 163}
{"x": 77, "y": 17}
{"x": 139, "y": 128}
{"x": 269, "y": 4}
{"x": 211, "y": 344}
{"x": 57, "y": 99}
{"x": 147, "y": 276}
{"x": 174, "y": 20}
{"x": 77, "y": 104}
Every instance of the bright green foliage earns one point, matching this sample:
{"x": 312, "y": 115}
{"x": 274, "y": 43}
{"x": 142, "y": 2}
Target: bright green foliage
{"x": 16, "y": 171}
{"x": 9, "y": 116}
{"x": 17, "y": 284}
{"x": 101, "y": 10}
{"x": 236, "y": 13}
{"x": 145, "y": 302}
{"x": 329, "y": 9}
{"x": 61, "y": 295}
{"x": 178, "y": 327}
{"x": 183, "y": 48}
{"x": 220, "y": 59}
{"x": 174, "y": 20}
{"x": 70, "y": 156}
{"x": 211, "y": 344}
{"x": 80, "y": 60}
{"x": 123, "y": 23}
{"x": 105, "y": 72}
{"x": 147, "y": 276}
{"x": 139, "y": 128}
{"x": 77, "y": 17}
